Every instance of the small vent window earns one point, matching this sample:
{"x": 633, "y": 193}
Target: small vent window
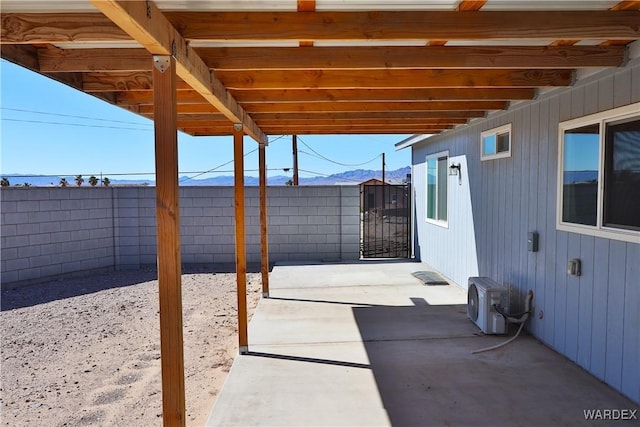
{"x": 496, "y": 143}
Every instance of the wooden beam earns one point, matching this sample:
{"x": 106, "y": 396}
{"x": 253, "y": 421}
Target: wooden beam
{"x": 186, "y": 123}
{"x": 184, "y": 98}
{"x": 241, "y": 256}
{"x": 293, "y": 127}
{"x": 380, "y": 115}
{"x": 354, "y": 79}
{"x": 407, "y": 25}
{"x": 87, "y": 60}
{"x": 352, "y": 131}
{"x": 382, "y": 25}
{"x": 324, "y": 131}
{"x": 264, "y": 233}
{"x": 168, "y": 226}
{"x": 31, "y": 28}
{"x": 205, "y": 108}
{"x": 376, "y": 106}
{"x": 353, "y": 57}
{"x": 381, "y": 95}
{"x": 188, "y": 120}
{"x": 398, "y": 57}
{"x": 100, "y": 83}
{"x": 144, "y": 22}
{"x": 140, "y": 81}
{"x": 363, "y": 127}
{"x": 27, "y": 56}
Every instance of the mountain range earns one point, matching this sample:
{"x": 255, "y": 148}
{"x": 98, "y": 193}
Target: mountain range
{"x": 352, "y": 177}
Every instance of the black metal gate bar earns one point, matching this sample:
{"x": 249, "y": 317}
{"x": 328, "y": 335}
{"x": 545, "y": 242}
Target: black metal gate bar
{"x": 386, "y": 214}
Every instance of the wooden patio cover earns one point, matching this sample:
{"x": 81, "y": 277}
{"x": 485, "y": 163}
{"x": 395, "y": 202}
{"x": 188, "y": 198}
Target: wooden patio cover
{"x": 260, "y": 68}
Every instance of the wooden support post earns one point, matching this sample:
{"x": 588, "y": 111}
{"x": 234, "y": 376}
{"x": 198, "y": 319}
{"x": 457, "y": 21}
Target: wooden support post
{"x": 168, "y": 226}
{"x": 241, "y": 256}
{"x": 295, "y": 159}
{"x": 264, "y": 241}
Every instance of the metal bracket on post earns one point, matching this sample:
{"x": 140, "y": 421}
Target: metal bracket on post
{"x": 161, "y": 62}
{"x": 237, "y": 127}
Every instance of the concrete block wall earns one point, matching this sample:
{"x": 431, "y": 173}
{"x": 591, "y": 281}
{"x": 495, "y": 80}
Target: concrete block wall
{"x": 50, "y": 231}
{"x": 305, "y": 224}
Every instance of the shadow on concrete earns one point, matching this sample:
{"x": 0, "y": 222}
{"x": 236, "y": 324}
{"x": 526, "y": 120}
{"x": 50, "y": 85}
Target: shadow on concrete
{"x": 435, "y": 380}
{"x": 309, "y": 360}
{"x": 325, "y": 301}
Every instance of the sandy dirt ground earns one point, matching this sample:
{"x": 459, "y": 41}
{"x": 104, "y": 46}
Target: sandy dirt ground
{"x": 86, "y": 351}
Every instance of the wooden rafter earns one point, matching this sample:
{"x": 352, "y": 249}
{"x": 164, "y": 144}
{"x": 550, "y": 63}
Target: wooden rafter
{"x": 407, "y": 25}
{"x": 424, "y": 115}
{"x": 318, "y": 131}
{"x": 337, "y": 87}
{"x": 136, "y": 94}
{"x": 381, "y": 25}
{"x": 381, "y": 95}
{"x": 336, "y": 58}
{"x": 427, "y": 57}
{"x": 376, "y": 106}
{"x": 345, "y": 79}
{"x": 144, "y": 22}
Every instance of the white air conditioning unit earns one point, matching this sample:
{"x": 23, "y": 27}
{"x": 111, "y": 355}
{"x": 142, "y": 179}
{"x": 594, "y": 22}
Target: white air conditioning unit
{"x": 483, "y": 294}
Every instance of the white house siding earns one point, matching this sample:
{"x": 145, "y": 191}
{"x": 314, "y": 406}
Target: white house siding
{"x": 593, "y": 319}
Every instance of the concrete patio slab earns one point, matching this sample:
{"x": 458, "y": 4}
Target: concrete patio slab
{"x": 367, "y": 344}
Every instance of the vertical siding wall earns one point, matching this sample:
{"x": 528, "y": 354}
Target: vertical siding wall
{"x": 592, "y": 319}
{"x": 46, "y": 232}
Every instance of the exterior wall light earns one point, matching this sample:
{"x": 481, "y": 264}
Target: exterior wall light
{"x": 456, "y": 170}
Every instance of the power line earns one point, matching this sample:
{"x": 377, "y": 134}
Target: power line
{"x": 75, "y": 117}
{"x": 333, "y": 161}
{"x": 213, "y": 169}
{"x": 73, "y": 124}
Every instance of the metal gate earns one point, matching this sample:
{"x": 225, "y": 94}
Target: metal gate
{"x": 386, "y": 213}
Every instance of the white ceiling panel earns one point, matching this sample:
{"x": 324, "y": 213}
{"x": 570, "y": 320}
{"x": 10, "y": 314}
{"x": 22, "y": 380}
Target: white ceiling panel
{"x": 100, "y": 45}
{"x": 360, "y": 5}
{"x": 590, "y": 42}
{"x": 499, "y": 42}
{"x": 549, "y": 4}
{"x": 45, "y": 6}
{"x": 368, "y": 43}
{"x": 247, "y": 43}
{"x": 227, "y": 5}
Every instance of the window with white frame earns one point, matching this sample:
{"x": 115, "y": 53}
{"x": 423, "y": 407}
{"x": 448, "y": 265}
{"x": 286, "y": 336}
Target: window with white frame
{"x": 496, "y": 143}
{"x": 599, "y": 174}
{"x": 437, "y": 172}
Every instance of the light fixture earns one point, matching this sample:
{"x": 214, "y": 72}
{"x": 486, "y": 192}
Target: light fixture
{"x": 455, "y": 170}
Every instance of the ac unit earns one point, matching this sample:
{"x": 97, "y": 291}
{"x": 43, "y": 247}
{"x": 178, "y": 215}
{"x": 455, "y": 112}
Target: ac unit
{"x": 483, "y": 294}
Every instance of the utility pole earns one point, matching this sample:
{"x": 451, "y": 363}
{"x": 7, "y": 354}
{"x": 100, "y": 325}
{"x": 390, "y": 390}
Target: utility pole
{"x": 382, "y": 168}
{"x": 295, "y": 159}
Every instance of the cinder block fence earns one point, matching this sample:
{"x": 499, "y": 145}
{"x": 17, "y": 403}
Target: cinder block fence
{"x": 48, "y": 232}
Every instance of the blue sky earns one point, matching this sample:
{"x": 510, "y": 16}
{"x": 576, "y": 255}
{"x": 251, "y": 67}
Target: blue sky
{"x": 120, "y": 142}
